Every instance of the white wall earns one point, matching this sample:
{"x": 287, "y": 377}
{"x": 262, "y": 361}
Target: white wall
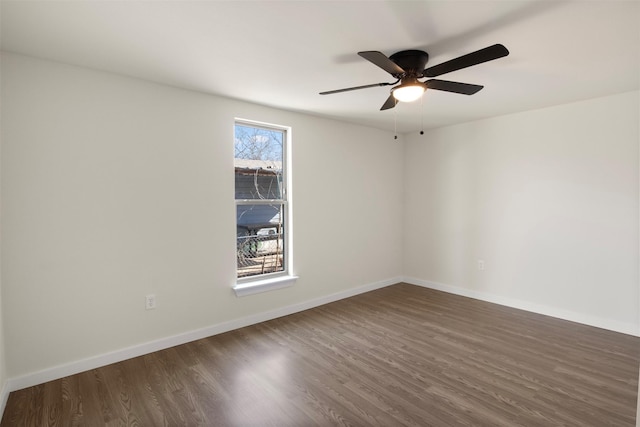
{"x": 4, "y": 393}
{"x": 114, "y": 188}
{"x": 547, "y": 198}
{"x": 4, "y": 390}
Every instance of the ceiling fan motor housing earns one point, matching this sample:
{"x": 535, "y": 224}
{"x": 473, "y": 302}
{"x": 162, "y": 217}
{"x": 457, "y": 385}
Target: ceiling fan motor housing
{"x": 412, "y": 61}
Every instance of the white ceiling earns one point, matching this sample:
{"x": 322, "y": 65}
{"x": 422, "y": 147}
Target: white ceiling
{"x": 282, "y": 53}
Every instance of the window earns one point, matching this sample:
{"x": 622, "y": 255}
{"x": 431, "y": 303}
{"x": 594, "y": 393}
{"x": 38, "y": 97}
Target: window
{"x": 262, "y": 205}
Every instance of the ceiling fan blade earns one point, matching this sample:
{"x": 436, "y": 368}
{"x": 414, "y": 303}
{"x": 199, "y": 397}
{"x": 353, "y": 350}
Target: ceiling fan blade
{"x": 457, "y": 87}
{"x": 389, "y": 103}
{"x": 329, "y": 92}
{"x": 381, "y": 60}
{"x": 474, "y": 58}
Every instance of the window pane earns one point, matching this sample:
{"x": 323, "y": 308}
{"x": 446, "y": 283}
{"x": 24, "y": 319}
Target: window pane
{"x": 257, "y": 181}
{"x": 256, "y": 143}
{"x": 260, "y": 199}
{"x": 260, "y": 238}
{"x": 258, "y": 162}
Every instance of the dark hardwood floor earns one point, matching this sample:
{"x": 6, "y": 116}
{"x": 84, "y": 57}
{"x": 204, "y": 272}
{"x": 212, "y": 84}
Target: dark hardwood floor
{"x": 399, "y": 356}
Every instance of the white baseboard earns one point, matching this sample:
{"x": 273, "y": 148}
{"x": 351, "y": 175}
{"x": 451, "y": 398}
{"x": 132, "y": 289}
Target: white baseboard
{"x": 598, "y": 322}
{"x": 76, "y": 367}
{"x": 4, "y": 396}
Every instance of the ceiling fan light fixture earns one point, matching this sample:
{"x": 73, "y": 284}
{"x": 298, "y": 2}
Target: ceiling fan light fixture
{"x": 408, "y": 92}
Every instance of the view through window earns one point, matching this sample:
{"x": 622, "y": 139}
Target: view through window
{"x": 261, "y": 199}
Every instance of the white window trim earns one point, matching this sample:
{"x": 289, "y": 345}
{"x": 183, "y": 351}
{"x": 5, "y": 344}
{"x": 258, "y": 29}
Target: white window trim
{"x": 264, "y": 285}
{"x": 271, "y": 281}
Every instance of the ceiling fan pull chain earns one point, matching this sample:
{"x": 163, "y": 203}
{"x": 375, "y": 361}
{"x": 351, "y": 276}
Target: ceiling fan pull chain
{"x": 422, "y": 115}
{"x": 395, "y": 124}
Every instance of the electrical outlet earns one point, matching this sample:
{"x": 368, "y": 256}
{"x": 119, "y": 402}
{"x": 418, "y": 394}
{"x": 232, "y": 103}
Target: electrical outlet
{"x": 150, "y": 302}
{"x": 481, "y": 264}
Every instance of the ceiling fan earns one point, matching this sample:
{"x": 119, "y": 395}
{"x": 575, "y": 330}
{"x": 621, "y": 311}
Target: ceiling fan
{"x": 407, "y": 66}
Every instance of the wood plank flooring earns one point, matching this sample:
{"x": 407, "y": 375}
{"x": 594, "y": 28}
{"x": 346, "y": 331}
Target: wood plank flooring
{"x": 398, "y": 356}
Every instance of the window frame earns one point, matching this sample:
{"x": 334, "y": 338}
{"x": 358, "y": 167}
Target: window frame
{"x": 273, "y": 280}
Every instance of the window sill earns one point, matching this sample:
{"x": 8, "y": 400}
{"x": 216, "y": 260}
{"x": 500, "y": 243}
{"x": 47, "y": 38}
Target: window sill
{"x": 264, "y": 285}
